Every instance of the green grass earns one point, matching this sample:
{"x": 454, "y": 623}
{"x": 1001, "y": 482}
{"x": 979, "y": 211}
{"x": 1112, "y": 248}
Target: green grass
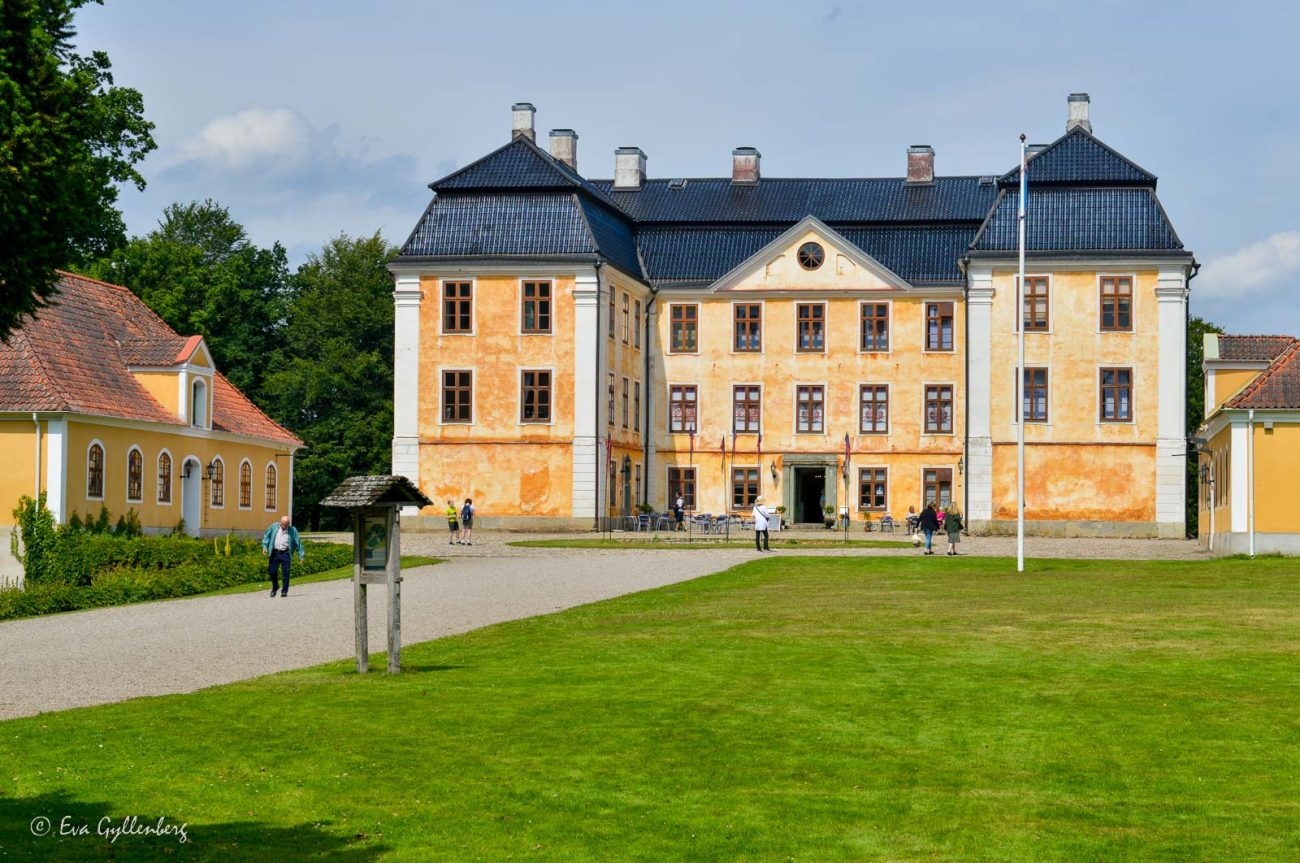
{"x": 685, "y": 545}
{"x": 408, "y": 562}
{"x": 822, "y": 709}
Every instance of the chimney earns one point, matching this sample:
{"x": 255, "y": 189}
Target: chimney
{"x": 920, "y": 163}
{"x": 564, "y": 147}
{"x": 629, "y": 168}
{"x": 1078, "y": 116}
{"x": 522, "y": 117}
{"x": 744, "y": 166}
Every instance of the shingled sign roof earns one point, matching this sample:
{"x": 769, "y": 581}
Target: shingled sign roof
{"x": 362, "y": 491}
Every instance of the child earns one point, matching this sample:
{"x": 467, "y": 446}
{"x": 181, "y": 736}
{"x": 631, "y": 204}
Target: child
{"x": 452, "y": 524}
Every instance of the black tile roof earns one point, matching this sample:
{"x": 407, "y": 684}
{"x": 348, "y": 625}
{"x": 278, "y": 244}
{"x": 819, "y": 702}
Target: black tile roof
{"x": 1077, "y": 220}
{"x": 1078, "y": 158}
{"x": 891, "y": 199}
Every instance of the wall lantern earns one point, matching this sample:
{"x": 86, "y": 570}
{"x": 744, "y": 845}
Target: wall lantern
{"x": 774, "y": 470}
{"x": 212, "y": 469}
{"x": 187, "y": 469}
{"x": 627, "y": 466}
{"x": 961, "y": 466}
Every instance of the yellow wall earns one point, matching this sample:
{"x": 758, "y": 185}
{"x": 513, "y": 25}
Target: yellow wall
{"x": 1277, "y": 467}
{"x": 1077, "y": 483}
{"x": 17, "y": 464}
{"x": 624, "y": 360}
{"x": 163, "y": 386}
{"x": 1228, "y": 382}
{"x": 1219, "y": 458}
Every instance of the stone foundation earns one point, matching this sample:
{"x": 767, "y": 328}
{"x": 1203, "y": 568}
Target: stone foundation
{"x": 1107, "y": 529}
{"x": 521, "y": 523}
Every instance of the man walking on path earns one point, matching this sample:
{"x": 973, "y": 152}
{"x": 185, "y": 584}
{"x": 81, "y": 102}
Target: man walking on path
{"x": 279, "y": 543}
{"x": 761, "y": 515}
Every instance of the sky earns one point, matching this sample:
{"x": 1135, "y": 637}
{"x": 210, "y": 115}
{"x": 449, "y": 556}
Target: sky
{"x": 308, "y": 119}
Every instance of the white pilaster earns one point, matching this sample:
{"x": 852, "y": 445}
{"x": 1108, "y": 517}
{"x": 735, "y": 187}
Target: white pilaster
{"x": 1171, "y": 423}
{"x": 56, "y": 467}
{"x": 406, "y": 379}
{"x": 979, "y": 460}
{"x": 587, "y": 341}
{"x": 1239, "y": 477}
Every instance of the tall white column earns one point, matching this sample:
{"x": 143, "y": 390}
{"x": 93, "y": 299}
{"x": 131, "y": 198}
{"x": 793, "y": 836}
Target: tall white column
{"x": 56, "y": 469}
{"x": 1239, "y": 479}
{"x": 406, "y": 380}
{"x": 979, "y": 461}
{"x": 1171, "y": 423}
{"x": 587, "y": 342}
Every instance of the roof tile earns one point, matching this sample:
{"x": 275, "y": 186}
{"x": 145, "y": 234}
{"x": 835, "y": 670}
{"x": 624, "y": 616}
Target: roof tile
{"x": 1276, "y": 388}
{"x": 1259, "y": 349}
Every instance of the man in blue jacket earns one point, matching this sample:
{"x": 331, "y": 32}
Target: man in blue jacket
{"x": 279, "y": 543}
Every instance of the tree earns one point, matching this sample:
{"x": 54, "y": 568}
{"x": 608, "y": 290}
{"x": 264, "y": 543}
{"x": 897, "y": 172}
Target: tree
{"x": 201, "y": 274}
{"x": 1196, "y": 330}
{"x": 68, "y": 137}
{"x": 332, "y": 382}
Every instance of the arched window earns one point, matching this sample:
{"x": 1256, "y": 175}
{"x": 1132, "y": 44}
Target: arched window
{"x": 245, "y": 484}
{"x": 134, "y": 475}
{"x": 272, "y": 495}
{"x": 164, "y": 477}
{"x": 95, "y": 470}
{"x": 218, "y": 482}
{"x": 199, "y": 404}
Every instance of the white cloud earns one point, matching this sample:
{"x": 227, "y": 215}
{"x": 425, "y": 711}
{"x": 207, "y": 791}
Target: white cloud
{"x": 252, "y": 138}
{"x": 1262, "y": 268}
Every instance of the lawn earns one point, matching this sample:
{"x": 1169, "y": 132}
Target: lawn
{"x": 855, "y": 709}
{"x": 685, "y": 545}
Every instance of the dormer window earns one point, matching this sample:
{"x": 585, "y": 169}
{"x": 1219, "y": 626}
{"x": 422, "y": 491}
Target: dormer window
{"x": 199, "y": 404}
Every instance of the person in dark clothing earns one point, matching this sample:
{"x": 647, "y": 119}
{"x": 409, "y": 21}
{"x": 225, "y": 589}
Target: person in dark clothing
{"x": 929, "y": 524}
{"x": 679, "y": 511}
{"x": 952, "y": 525}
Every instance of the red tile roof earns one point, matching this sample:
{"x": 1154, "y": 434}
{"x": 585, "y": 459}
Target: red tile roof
{"x": 73, "y": 356}
{"x": 1277, "y": 387}
{"x": 1260, "y": 349}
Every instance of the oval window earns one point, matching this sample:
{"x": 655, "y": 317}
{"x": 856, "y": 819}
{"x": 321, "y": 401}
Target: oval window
{"x": 811, "y": 256}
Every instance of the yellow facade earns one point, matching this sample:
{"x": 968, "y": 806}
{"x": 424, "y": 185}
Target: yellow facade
{"x": 18, "y": 456}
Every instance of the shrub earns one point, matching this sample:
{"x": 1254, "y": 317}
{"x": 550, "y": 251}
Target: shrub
{"x": 38, "y": 552}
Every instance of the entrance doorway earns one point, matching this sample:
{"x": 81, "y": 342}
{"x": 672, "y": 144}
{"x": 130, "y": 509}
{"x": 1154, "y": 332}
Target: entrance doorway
{"x": 809, "y": 494}
{"x": 191, "y": 496}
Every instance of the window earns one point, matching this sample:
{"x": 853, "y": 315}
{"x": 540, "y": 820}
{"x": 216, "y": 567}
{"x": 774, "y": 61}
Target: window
{"x": 245, "y": 485}
{"x": 681, "y": 482}
{"x": 134, "y": 475}
{"x": 457, "y": 307}
{"x": 272, "y": 494}
{"x": 748, "y": 326}
{"x": 457, "y": 397}
{"x": 1035, "y": 395}
{"x": 535, "y": 399}
{"x": 1116, "y": 395}
{"x": 636, "y": 323}
{"x": 610, "y": 398}
{"x": 747, "y": 409}
{"x": 626, "y": 323}
{"x": 164, "y": 478}
{"x": 536, "y": 308}
{"x": 636, "y": 406}
{"x": 744, "y": 487}
{"x": 611, "y": 313}
{"x": 95, "y": 471}
{"x": 199, "y": 404}
{"x": 1035, "y": 303}
{"x": 875, "y": 327}
{"x": 681, "y": 409}
{"x": 1117, "y": 303}
{"x": 873, "y": 488}
{"x": 873, "y": 409}
{"x": 938, "y": 485}
{"x": 810, "y": 256}
{"x": 938, "y": 326}
{"x": 684, "y": 325}
{"x": 638, "y": 481}
{"x": 625, "y": 382}
{"x": 810, "y": 403}
{"x": 811, "y": 323}
{"x": 938, "y": 409}
{"x": 218, "y": 482}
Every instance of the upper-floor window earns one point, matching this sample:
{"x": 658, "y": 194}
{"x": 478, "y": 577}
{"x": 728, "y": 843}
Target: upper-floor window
{"x": 938, "y": 409}
{"x": 625, "y": 407}
{"x": 810, "y": 409}
{"x": 627, "y": 324}
{"x": 636, "y": 323}
{"x": 875, "y": 327}
{"x": 535, "y": 397}
{"x": 748, "y": 326}
{"x": 609, "y": 400}
{"x": 218, "y": 482}
{"x": 810, "y": 320}
{"x": 457, "y": 307}
{"x": 873, "y": 409}
{"x": 134, "y": 475}
{"x": 1117, "y": 303}
{"x": 611, "y": 313}
{"x": 95, "y": 471}
{"x": 199, "y": 404}
{"x": 938, "y": 326}
{"x": 164, "y": 478}
{"x": 636, "y": 406}
{"x": 1036, "y": 305}
{"x": 458, "y": 396}
{"x": 747, "y": 408}
{"x": 1116, "y": 395}
{"x": 683, "y": 321}
{"x": 272, "y": 493}
{"x": 681, "y": 409}
{"x": 536, "y": 307}
{"x": 1035, "y": 396}
{"x": 245, "y": 485}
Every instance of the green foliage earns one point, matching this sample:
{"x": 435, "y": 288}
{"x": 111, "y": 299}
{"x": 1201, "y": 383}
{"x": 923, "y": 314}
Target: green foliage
{"x": 74, "y": 523}
{"x": 38, "y": 549}
{"x": 201, "y": 274}
{"x": 1196, "y": 330}
{"x": 68, "y": 139}
{"x": 102, "y": 521}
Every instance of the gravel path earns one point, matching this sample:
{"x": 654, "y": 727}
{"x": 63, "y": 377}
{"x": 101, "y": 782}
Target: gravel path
{"x": 158, "y": 648}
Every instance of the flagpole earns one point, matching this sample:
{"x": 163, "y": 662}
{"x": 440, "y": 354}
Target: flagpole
{"x": 1020, "y": 367}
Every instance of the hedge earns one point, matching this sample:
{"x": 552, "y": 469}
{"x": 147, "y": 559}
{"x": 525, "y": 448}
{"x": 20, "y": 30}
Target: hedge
{"x": 144, "y": 577}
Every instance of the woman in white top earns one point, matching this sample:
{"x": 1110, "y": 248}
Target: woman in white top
{"x": 761, "y": 516}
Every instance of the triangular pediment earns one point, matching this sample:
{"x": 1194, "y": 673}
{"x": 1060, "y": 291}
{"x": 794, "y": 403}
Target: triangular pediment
{"x": 844, "y": 266}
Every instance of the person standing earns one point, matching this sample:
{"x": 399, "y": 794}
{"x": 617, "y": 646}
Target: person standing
{"x": 929, "y": 524}
{"x": 452, "y": 524}
{"x": 952, "y": 526}
{"x": 279, "y": 544}
{"x": 679, "y": 511}
{"x": 467, "y": 522}
{"x": 761, "y": 516}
